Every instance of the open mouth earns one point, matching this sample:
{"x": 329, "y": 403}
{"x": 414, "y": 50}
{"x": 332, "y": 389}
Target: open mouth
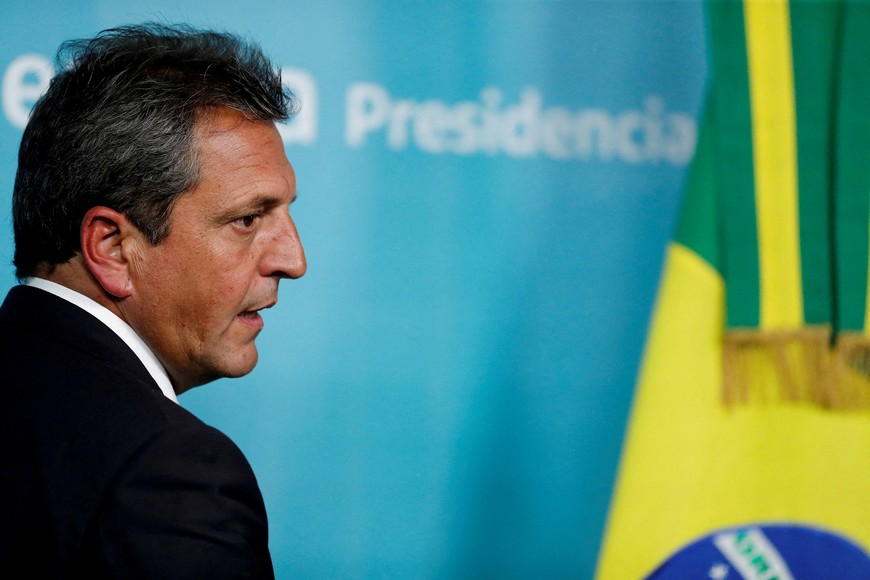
{"x": 252, "y": 318}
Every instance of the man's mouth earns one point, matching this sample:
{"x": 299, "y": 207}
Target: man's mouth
{"x": 252, "y": 317}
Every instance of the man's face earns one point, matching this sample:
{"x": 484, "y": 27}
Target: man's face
{"x": 197, "y": 294}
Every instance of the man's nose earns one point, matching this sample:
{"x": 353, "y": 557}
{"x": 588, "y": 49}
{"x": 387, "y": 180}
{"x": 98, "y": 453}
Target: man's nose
{"x": 285, "y": 256}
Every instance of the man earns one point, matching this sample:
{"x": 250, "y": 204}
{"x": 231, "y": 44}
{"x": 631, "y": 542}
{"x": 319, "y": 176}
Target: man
{"x": 152, "y": 225}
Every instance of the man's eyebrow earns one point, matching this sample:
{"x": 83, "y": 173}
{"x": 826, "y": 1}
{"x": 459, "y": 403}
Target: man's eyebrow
{"x": 259, "y": 202}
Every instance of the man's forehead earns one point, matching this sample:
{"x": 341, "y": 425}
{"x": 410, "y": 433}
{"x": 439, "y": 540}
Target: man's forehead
{"x": 242, "y": 162}
{"x": 214, "y": 121}
{"x": 227, "y": 138}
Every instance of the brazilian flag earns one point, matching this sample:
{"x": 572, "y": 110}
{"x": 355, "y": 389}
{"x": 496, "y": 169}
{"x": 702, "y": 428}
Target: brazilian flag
{"x": 752, "y": 410}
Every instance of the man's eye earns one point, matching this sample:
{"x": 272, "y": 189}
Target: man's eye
{"x": 247, "y": 221}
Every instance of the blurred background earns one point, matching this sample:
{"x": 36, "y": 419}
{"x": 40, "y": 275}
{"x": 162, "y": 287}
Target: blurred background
{"x": 486, "y": 190}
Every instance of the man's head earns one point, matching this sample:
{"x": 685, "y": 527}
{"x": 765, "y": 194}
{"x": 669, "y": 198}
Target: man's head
{"x": 152, "y": 179}
{"x": 116, "y": 128}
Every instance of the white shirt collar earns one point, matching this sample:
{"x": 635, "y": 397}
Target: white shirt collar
{"x": 124, "y": 331}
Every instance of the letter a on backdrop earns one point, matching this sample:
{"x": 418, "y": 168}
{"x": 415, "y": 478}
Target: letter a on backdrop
{"x": 752, "y": 413}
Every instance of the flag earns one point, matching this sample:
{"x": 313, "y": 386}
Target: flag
{"x": 753, "y": 400}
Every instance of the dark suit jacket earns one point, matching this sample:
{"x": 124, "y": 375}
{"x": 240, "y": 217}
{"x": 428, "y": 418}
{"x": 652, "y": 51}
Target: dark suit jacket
{"x": 100, "y": 474}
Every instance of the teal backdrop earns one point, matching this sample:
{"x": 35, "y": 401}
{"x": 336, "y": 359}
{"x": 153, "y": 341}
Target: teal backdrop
{"x": 485, "y": 193}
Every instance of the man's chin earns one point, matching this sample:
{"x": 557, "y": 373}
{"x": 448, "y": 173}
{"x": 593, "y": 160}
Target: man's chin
{"x": 243, "y": 366}
{"x": 226, "y": 368}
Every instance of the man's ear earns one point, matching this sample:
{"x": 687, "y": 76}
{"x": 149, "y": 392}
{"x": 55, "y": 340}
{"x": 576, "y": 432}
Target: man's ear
{"x": 104, "y": 233}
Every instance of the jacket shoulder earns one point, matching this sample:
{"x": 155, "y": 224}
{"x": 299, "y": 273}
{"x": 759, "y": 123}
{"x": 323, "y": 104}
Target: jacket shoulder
{"x": 84, "y": 431}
